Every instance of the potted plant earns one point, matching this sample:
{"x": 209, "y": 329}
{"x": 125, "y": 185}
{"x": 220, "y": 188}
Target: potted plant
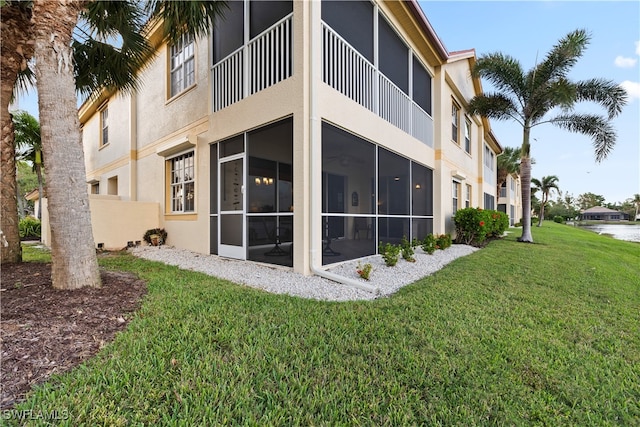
{"x": 155, "y": 236}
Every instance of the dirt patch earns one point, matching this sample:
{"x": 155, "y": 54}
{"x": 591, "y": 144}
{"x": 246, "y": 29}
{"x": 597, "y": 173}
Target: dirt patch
{"x": 45, "y": 331}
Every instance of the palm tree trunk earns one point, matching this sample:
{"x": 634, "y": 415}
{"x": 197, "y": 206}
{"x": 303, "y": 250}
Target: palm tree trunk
{"x": 525, "y": 177}
{"x": 17, "y": 49}
{"x": 541, "y": 213}
{"x": 73, "y": 256}
{"x": 10, "y": 240}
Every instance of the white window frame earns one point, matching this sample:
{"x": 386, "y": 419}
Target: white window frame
{"x": 179, "y": 199}
{"x": 104, "y": 126}
{"x": 467, "y": 196}
{"x": 467, "y": 135}
{"x": 182, "y": 64}
{"x": 455, "y": 196}
{"x": 489, "y": 157}
{"x": 455, "y": 122}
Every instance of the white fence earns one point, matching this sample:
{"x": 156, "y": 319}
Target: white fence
{"x": 350, "y": 73}
{"x": 263, "y": 62}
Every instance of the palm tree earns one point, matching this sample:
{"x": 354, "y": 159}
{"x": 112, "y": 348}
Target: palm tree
{"x": 545, "y": 185}
{"x": 74, "y": 262}
{"x": 528, "y": 98}
{"x": 29, "y": 145}
{"x": 17, "y": 50}
{"x": 508, "y": 164}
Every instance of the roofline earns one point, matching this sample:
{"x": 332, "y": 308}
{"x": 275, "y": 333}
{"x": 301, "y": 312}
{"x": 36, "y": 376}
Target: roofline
{"x": 428, "y": 29}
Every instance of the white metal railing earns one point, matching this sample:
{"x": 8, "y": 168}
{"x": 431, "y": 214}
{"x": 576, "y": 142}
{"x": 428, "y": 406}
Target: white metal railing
{"x": 347, "y": 71}
{"x": 266, "y": 60}
{"x": 227, "y": 81}
{"x": 351, "y": 74}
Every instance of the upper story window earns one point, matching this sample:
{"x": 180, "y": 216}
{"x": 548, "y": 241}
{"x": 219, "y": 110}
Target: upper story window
{"x": 455, "y": 122}
{"x": 183, "y": 72}
{"x": 182, "y": 182}
{"x": 489, "y": 157}
{"x": 104, "y": 126}
{"x": 467, "y": 135}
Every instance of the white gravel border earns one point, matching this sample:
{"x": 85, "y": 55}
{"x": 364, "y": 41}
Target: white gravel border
{"x": 282, "y": 280}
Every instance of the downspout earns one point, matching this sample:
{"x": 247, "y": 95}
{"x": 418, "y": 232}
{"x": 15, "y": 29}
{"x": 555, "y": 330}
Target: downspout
{"x": 314, "y": 124}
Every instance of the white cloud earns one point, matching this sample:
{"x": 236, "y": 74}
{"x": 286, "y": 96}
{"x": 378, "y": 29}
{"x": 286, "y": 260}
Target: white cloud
{"x": 632, "y": 88}
{"x": 638, "y": 47}
{"x": 623, "y": 62}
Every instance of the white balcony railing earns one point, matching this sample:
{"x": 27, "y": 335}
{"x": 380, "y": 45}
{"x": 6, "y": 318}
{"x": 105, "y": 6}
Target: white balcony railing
{"x": 264, "y": 61}
{"x": 351, "y": 74}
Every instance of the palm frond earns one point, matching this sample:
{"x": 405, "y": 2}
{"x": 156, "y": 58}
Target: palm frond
{"x": 560, "y": 59}
{"x": 494, "y": 106}
{"x": 604, "y": 92}
{"x": 504, "y": 72}
{"x": 186, "y": 17}
{"x": 109, "y": 48}
{"x": 25, "y": 82}
{"x": 597, "y": 127}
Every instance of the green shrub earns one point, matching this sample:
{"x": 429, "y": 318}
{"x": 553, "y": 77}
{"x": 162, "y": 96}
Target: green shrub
{"x": 475, "y": 225}
{"x": 160, "y": 232}
{"x": 559, "y": 219}
{"x": 443, "y": 241}
{"x": 407, "y": 250}
{"x": 29, "y": 228}
{"x": 364, "y": 271}
{"x": 499, "y": 224}
{"x": 429, "y": 244}
{"x": 390, "y": 253}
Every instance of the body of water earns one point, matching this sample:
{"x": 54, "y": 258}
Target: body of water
{"x": 617, "y": 231}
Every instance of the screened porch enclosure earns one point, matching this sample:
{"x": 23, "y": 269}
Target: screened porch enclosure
{"x": 251, "y": 213}
{"x": 370, "y": 195}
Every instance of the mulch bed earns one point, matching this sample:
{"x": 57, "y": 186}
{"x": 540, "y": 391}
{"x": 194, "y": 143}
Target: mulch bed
{"x": 45, "y": 331}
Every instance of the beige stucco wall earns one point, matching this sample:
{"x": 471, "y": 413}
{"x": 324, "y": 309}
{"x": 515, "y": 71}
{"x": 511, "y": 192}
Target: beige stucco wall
{"x": 114, "y": 222}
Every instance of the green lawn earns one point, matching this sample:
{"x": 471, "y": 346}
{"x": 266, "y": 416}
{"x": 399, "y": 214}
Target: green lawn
{"x": 514, "y": 334}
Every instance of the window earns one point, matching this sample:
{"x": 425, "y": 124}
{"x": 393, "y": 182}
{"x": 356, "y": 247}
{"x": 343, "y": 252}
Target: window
{"x": 467, "y": 197}
{"x": 455, "y": 120}
{"x": 455, "y": 191}
{"x": 95, "y": 188}
{"x": 182, "y": 183}
{"x": 488, "y": 157}
{"x": 467, "y": 135}
{"x": 489, "y": 201}
{"x": 183, "y": 71}
{"x": 104, "y": 125}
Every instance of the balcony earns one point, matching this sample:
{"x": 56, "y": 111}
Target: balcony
{"x": 351, "y": 74}
{"x": 268, "y": 61}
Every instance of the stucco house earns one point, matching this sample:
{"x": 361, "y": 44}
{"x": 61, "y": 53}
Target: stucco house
{"x": 299, "y": 133}
{"x": 600, "y": 213}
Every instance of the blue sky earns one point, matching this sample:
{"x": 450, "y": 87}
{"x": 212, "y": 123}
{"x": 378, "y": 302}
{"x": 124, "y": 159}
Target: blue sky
{"x": 526, "y": 29}
{"x": 529, "y": 28}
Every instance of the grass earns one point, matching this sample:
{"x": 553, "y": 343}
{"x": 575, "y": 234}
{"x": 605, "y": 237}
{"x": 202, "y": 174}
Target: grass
{"x": 514, "y": 334}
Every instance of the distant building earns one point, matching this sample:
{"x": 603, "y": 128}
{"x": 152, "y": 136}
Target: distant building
{"x": 600, "y": 213}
